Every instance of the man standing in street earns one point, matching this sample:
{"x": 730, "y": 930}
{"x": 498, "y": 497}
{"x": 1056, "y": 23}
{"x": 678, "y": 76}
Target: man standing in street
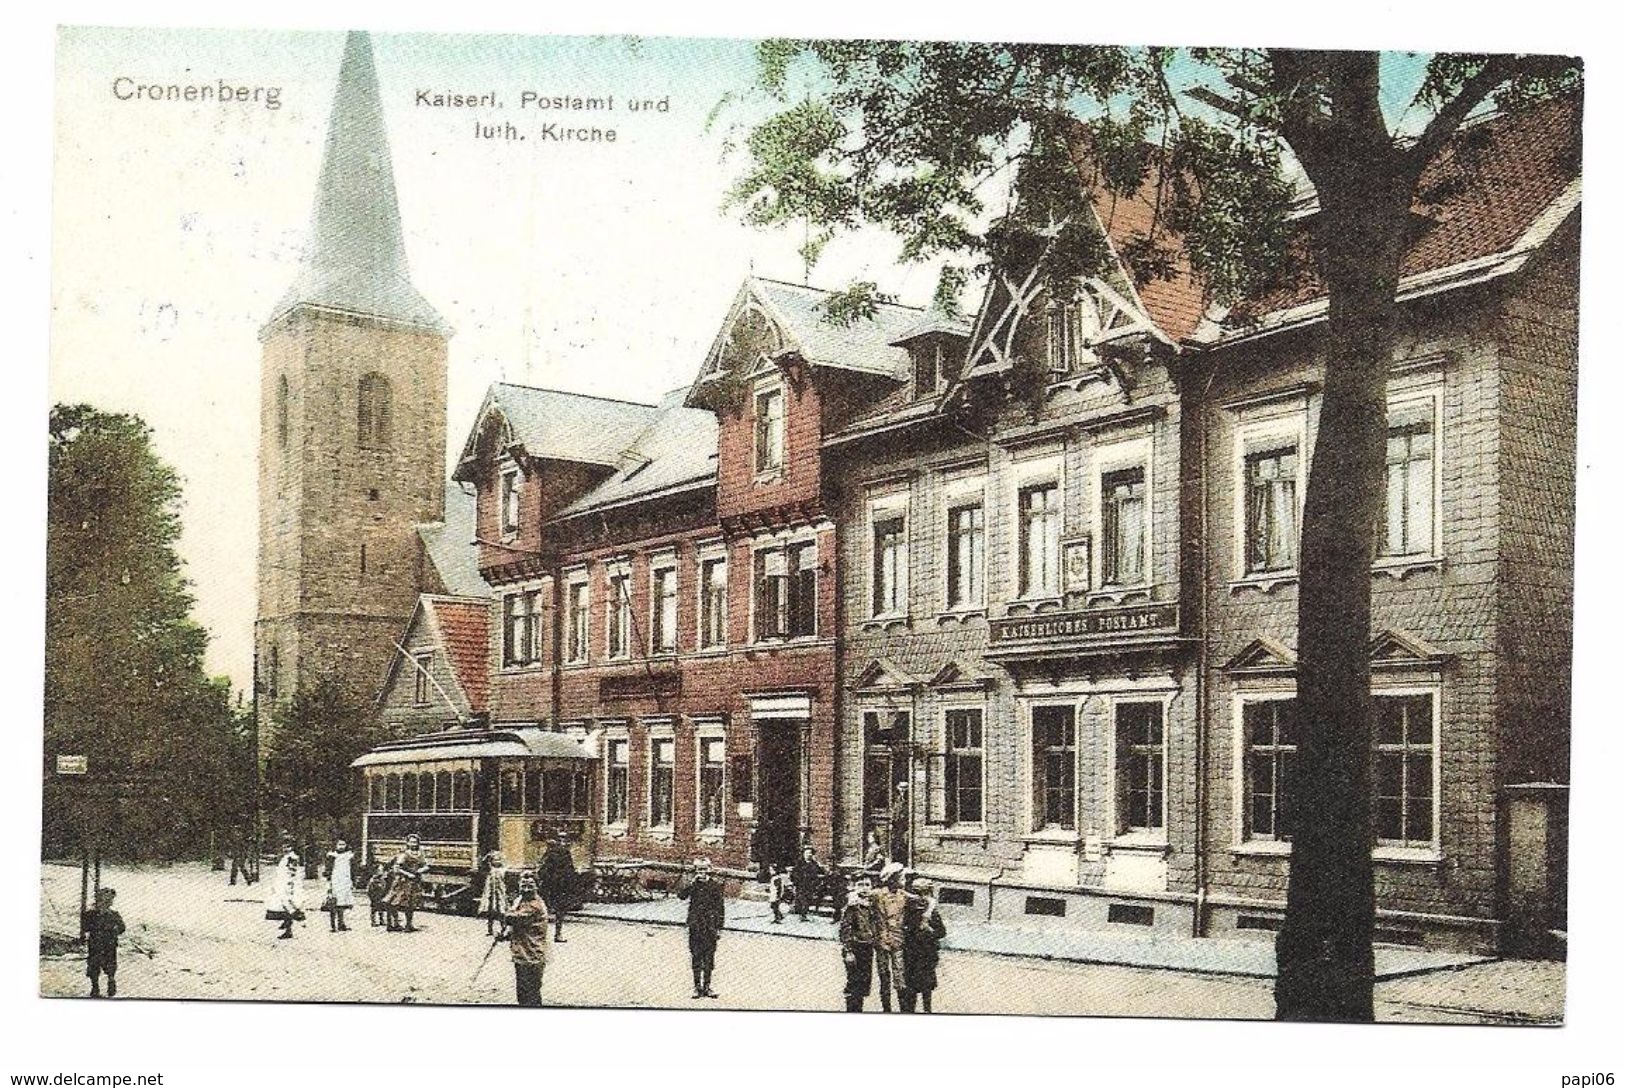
{"x": 557, "y": 880}
{"x": 808, "y": 878}
{"x": 890, "y": 901}
{"x": 102, "y": 925}
{"x": 527, "y": 941}
{"x": 705, "y": 916}
{"x": 858, "y": 933}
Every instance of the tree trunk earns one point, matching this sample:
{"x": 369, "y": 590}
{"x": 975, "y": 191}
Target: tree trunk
{"x": 1323, "y": 952}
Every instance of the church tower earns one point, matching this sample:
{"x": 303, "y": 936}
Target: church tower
{"x": 352, "y": 425}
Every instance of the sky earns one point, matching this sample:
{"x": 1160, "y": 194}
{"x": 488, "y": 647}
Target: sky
{"x": 597, "y": 268}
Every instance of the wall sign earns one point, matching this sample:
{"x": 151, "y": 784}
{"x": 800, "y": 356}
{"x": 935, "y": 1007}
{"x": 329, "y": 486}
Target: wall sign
{"x": 1089, "y": 623}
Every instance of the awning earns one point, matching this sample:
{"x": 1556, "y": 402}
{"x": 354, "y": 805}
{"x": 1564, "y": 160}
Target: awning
{"x": 520, "y": 743}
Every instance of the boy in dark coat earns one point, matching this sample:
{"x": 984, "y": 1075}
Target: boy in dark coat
{"x": 705, "y": 917}
{"x": 859, "y": 930}
{"x": 102, "y": 928}
{"x": 923, "y": 932}
{"x": 377, "y": 889}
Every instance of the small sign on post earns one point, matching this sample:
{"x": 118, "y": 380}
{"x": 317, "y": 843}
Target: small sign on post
{"x": 72, "y": 764}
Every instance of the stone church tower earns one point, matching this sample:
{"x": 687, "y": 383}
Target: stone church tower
{"x": 352, "y": 425}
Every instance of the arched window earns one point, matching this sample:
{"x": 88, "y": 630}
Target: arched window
{"x": 462, "y": 791}
{"x": 442, "y": 792}
{"x": 392, "y": 793}
{"x": 426, "y": 791}
{"x": 373, "y": 411}
{"x": 282, "y": 412}
{"x": 409, "y": 792}
{"x": 375, "y": 793}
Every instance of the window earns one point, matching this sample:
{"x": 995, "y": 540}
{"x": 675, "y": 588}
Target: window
{"x": 1270, "y": 736}
{"x": 521, "y": 628}
{"x": 392, "y": 793}
{"x": 1139, "y": 767}
{"x": 787, "y": 591}
{"x": 373, "y": 410}
{"x": 577, "y": 602}
{"x": 1410, "y": 481}
{"x": 617, "y": 778}
{"x": 662, "y": 765}
{"x": 462, "y": 791}
{"x": 282, "y": 397}
{"x": 510, "y": 501}
{"x": 375, "y": 793}
{"x": 966, "y": 565}
{"x": 1062, "y": 338}
{"x": 619, "y": 614}
{"x": 420, "y": 678}
{"x": 889, "y": 576}
{"x": 929, "y": 371}
{"x": 713, "y": 602}
{"x": 963, "y": 769}
{"x": 769, "y": 431}
{"x": 1272, "y": 509}
{"x": 1040, "y": 532}
{"x": 1122, "y": 515}
{"x": 1402, "y": 783}
{"x": 663, "y": 633}
{"x": 713, "y": 754}
{"x": 409, "y": 793}
{"x": 1054, "y": 768}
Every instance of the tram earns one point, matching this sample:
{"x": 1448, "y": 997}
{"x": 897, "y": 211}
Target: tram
{"x": 467, "y": 791}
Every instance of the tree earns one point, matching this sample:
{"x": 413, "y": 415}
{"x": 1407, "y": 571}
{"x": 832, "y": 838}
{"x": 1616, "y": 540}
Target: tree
{"x": 124, "y": 677}
{"x": 985, "y": 156}
{"x": 309, "y": 788}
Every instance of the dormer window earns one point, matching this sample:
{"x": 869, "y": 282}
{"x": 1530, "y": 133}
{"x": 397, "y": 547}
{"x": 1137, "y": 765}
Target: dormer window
{"x": 769, "y": 430}
{"x": 510, "y": 501}
{"x": 1073, "y": 328}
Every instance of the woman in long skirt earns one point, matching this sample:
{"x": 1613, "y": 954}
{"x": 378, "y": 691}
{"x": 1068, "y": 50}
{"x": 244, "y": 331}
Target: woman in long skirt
{"x": 494, "y": 895}
{"x": 282, "y": 897}
{"x": 340, "y": 885}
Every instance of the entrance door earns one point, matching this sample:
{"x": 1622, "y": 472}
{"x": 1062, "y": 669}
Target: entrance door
{"x": 778, "y": 805}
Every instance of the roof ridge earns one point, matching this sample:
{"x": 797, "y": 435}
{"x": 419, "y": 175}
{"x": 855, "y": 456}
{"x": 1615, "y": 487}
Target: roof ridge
{"x": 831, "y": 291}
{"x": 579, "y": 396}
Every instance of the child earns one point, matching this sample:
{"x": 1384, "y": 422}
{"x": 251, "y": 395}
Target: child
{"x": 377, "y": 888}
{"x": 779, "y": 891}
{"x": 494, "y": 894}
{"x": 102, "y": 928}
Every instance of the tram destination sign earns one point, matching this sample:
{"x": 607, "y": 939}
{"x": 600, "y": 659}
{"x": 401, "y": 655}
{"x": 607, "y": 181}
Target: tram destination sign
{"x": 1092, "y": 623}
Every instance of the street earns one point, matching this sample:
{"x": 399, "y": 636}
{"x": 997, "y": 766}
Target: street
{"x": 192, "y": 936}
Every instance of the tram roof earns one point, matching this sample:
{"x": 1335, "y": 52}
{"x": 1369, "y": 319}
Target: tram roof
{"x": 520, "y": 743}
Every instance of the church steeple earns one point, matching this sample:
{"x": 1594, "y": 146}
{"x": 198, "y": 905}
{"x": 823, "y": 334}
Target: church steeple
{"x": 355, "y": 259}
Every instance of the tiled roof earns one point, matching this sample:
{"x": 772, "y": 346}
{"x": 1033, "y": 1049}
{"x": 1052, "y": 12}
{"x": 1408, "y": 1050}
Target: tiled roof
{"x": 559, "y": 426}
{"x": 1490, "y": 184}
{"x": 449, "y": 544}
{"x": 679, "y": 448}
{"x": 464, "y": 633}
{"x": 867, "y": 345}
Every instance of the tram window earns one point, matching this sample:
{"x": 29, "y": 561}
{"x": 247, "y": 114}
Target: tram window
{"x": 462, "y": 791}
{"x": 442, "y": 791}
{"x": 426, "y": 791}
{"x": 533, "y": 792}
{"x": 512, "y": 799}
{"x": 581, "y": 794}
{"x": 409, "y": 793}
{"x": 392, "y": 793}
{"x": 375, "y": 793}
{"x": 556, "y": 786}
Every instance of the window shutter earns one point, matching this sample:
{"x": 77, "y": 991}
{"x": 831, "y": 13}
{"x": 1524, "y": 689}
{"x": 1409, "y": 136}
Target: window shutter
{"x": 936, "y": 789}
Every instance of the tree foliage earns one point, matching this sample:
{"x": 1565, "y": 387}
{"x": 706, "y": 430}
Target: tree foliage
{"x": 170, "y": 761}
{"x": 310, "y": 791}
{"x": 987, "y": 157}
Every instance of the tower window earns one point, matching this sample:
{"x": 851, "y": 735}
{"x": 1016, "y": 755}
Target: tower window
{"x": 282, "y": 412}
{"x": 373, "y": 411}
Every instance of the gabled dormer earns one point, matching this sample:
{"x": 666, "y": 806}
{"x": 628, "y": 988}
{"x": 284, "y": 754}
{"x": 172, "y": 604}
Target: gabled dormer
{"x": 936, "y": 349}
{"x": 530, "y": 453}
